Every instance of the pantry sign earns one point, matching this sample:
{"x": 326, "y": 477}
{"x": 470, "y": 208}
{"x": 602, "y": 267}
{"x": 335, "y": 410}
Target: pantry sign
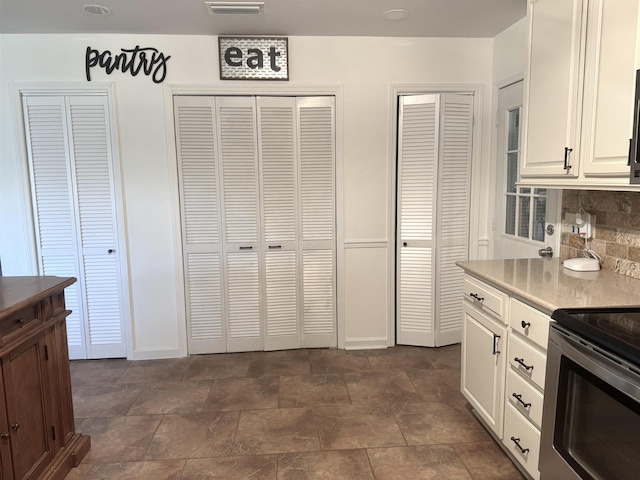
{"x": 253, "y": 58}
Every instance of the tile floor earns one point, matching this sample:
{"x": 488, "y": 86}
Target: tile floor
{"x": 300, "y": 414}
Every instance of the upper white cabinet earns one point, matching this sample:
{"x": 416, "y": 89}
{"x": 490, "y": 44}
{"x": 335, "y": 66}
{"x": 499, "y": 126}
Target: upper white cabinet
{"x": 579, "y": 92}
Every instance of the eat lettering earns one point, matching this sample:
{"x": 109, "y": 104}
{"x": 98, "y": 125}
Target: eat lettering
{"x": 234, "y": 57}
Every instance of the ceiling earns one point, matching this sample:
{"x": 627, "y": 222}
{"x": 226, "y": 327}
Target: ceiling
{"x": 427, "y": 18}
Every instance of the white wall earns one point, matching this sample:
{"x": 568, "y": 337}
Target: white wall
{"x": 364, "y": 69}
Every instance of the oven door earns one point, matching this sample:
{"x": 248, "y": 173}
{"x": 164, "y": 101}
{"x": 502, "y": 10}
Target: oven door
{"x": 591, "y": 414}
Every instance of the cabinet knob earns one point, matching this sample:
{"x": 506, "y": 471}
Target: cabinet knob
{"x": 15, "y": 426}
{"x": 4, "y": 435}
{"x": 525, "y": 325}
{"x": 20, "y": 321}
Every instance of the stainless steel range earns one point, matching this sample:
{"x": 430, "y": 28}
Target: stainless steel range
{"x": 591, "y": 415}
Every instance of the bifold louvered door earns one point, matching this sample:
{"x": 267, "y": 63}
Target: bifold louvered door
{"x": 70, "y": 160}
{"x": 434, "y": 171}
{"x": 256, "y": 175}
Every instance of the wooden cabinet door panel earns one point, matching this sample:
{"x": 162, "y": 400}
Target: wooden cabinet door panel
{"x": 27, "y": 415}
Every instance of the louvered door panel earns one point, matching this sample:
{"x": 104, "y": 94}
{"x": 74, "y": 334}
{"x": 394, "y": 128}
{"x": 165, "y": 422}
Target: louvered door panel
{"x": 93, "y": 181}
{"x": 200, "y": 212}
{"x": 280, "y": 246}
{"x": 316, "y": 152}
{"x": 453, "y": 213}
{"x": 239, "y": 161}
{"x": 243, "y": 299}
{"x": 417, "y": 173}
{"x": 46, "y": 129}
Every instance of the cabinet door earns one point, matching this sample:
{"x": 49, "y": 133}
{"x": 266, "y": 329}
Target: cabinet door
{"x": 6, "y": 470}
{"x": 26, "y": 393}
{"x": 609, "y": 87}
{"x": 552, "y": 102}
{"x": 483, "y": 366}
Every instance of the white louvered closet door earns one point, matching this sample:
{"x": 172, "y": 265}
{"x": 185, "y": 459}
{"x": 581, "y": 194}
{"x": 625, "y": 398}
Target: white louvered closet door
{"x": 456, "y": 120}
{"x": 417, "y": 171}
{"x": 277, "y": 143}
{"x": 200, "y": 211}
{"x": 70, "y": 157}
{"x": 316, "y": 153}
{"x": 237, "y": 133}
{"x": 434, "y": 169}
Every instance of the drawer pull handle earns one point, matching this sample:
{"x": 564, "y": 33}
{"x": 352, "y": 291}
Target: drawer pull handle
{"x": 20, "y": 321}
{"x": 495, "y": 344}
{"x": 476, "y": 297}
{"x": 275, "y": 247}
{"x": 521, "y": 362}
{"x": 567, "y": 151}
{"x": 246, "y": 248}
{"x": 518, "y": 397}
{"x": 525, "y": 325}
{"x": 516, "y": 440}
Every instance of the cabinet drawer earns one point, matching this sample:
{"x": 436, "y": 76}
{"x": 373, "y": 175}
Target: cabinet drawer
{"x": 529, "y": 322}
{"x": 527, "y": 360}
{"x": 486, "y": 298}
{"x": 524, "y": 397}
{"x": 19, "y": 322}
{"x": 523, "y": 440}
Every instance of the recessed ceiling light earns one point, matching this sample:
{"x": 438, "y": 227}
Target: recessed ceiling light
{"x": 235, "y": 8}
{"x": 395, "y": 14}
{"x": 96, "y": 10}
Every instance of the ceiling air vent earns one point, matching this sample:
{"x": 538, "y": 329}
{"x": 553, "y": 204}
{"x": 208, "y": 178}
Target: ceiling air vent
{"x": 235, "y": 8}
{"x": 96, "y": 10}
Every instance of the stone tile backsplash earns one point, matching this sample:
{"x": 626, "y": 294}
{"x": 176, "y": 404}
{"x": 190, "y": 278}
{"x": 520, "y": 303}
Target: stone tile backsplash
{"x": 617, "y": 228}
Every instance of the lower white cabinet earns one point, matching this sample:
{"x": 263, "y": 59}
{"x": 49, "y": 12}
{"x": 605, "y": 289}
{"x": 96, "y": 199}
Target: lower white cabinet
{"x": 483, "y": 365}
{"x": 503, "y": 367}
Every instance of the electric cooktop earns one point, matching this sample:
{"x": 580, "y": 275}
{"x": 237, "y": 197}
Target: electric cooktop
{"x": 613, "y": 328}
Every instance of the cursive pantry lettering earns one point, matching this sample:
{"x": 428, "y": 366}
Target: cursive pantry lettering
{"x": 151, "y": 61}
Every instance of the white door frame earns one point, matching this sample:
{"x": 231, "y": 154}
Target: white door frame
{"x": 478, "y": 241}
{"x": 75, "y": 88}
{"x": 171, "y": 90}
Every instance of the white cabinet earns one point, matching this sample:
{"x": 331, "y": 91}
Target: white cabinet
{"x": 579, "y": 93}
{"x": 483, "y": 365}
{"x": 503, "y": 366}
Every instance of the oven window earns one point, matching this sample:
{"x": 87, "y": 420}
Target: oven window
{"x": 597, "y": 428}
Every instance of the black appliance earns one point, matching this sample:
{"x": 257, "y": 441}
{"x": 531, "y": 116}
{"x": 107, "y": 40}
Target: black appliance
{"x": 591, "y": 413}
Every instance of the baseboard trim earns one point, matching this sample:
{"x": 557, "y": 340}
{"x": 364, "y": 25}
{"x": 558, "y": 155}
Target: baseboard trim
{"x": 156, "y": 354}
{"x": 365, "y": 343}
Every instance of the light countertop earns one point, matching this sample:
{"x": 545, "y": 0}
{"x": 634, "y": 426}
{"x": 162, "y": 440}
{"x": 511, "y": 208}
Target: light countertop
{"x": 545, "y": 284}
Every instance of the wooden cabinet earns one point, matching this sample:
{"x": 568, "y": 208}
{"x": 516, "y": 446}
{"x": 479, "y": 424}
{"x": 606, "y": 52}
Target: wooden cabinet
{"x": 579, "y": 93}
{"x": 483, "y": 364}
{"x": 503, "y": 367}
{"x": 37, "y": 438}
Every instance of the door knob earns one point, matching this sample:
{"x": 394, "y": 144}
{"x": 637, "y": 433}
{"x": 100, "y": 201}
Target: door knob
{"x": 404, "y": 244}
{"x": 111, "y": 250}
{"x": 546, "y": 252}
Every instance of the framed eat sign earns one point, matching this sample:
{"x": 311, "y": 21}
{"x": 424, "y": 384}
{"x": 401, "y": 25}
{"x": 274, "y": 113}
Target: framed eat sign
{"x": 253, "y": 58}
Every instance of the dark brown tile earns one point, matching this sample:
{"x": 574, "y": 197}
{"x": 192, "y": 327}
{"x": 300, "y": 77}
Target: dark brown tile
{"x": 280, "y": 430}
{"x": 223, "y": 365}
{"x": 118, "y": 439}
{"x": 171, "y": 397}
{"x": 194, "y": 435}
{"x": 399, "y": 358}
{"x": 286, "y": 362}
{"x": 487, "y": 461}
{"x": 437, "y": 385}
{"x": 383, "y": 387}
{"x": 152, "y": 371}
{"x": 338, "y": 361}
{"x": 243, "y": 394}
{"x": 312, "y": 390}
{"x": 258, "y": 467}
{"x": 417, "y": 463}
{"x": 97, "y": 372}
{"x": 357, "y": 426}
{"x": 104, "y": 400}
{"x": 346, "y": 464}
{"x": 432, "y": 423}
{"x": 165, "y": 470}
{"x": 444, "y": 357}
